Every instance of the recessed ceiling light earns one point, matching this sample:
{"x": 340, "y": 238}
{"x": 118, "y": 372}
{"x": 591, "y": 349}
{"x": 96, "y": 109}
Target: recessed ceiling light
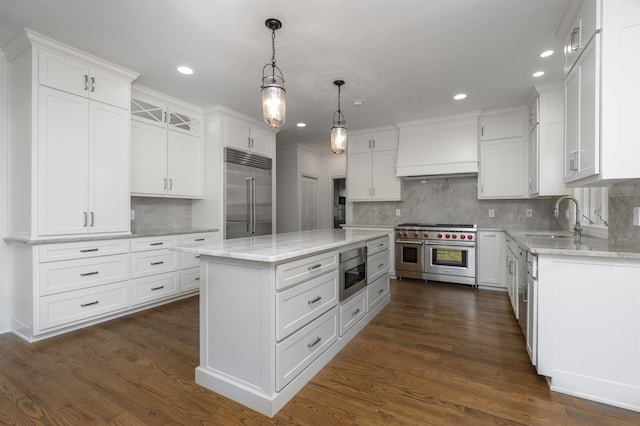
{"x": 301, "y": 124}
{"x": 538, "y": 73}
{"x": 460, "y": 96}
{"x": 185, "y": 70}
{"x": 358, "y": 103}
{"x": 546, "y": 53}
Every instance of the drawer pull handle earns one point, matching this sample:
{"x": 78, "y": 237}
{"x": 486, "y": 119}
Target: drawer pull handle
{"x": 381, "y": 291}
{"x": 317, "y": 299}
{"x": 199, "y": 239}
{"x": 381, "y": 265}
{"x": 156, "y": 244}
{"x": 88, "y": 250}
{"x": 314, "y": 267}
{"x": 84, "y": 305}
{"x": 356, "y": 312}
{"x": 381, "y": 244}
{"x": 197, "y": 278}
{"x": 315, "y": 342}
{"x": 86, "y": 274}
{"x": 197, "y": 257}
{"x": 157, "y": 263}
{"x": 157, "y": 288}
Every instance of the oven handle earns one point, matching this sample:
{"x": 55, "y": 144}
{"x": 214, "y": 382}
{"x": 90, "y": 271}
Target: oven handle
{"x": 450, "y": 244}
{"x": 418, "y": 243}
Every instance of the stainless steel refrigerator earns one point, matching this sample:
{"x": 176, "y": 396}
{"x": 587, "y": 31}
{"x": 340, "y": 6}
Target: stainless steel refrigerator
{"x": 247, "y": 198}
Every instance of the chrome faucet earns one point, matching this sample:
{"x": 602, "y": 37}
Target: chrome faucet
{"x": 577, "y": 228}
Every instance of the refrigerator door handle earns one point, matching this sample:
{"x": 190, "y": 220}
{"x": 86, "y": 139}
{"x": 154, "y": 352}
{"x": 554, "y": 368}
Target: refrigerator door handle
{"x": 249, "y": 206}
{"x": 253, "y": 205}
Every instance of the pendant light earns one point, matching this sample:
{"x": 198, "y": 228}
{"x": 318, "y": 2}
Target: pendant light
{"x": 338, "y": 131}
{"x": 273, "y": 94}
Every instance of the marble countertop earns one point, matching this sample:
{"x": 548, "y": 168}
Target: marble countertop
{"x": 280, "y": 247}
{"x": 538, "y": 242}
{"x": 367, "y": 226}
{"x": 137, "y": 234}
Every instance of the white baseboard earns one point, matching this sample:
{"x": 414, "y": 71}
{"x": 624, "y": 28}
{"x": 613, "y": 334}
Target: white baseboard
{"x": 5, "y": 325}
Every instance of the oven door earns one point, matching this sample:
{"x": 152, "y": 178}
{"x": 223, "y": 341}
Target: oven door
{"x": 409, "y": 259}
{"x": 451, "y": 262}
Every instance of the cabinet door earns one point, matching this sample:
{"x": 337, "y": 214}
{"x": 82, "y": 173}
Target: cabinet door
{"x": 571, "y": 122}
{"x": 63, "y": 73}
{"x": 148, "y": 159}
{"x": 589, "y": 112}
{"x": 501, "y": 127}
{"x": 236, "y": 134}
{"x": 384, "y": 140}
{"x": 108, "y": 88}
{"x": 63, "y": 164}
{"x": 262, "y": 141}
{"x": 502, "y": 169}
{"x": 359, "y": 177}
{"x": 108, "y": 168}
{"x": 533, "y": 157}
{"x": 185, "y": 165}
{"x": 358, "y": 144}
{"x": 385, "y": 184}
{"x": 490, "y": 259}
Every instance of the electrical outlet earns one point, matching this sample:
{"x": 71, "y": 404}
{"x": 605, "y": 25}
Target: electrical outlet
{"x": 397, "y": 212}
{"x": 529, "y": 212}
{"x": 492, "y": 212}
{"x": 132, "y": 215}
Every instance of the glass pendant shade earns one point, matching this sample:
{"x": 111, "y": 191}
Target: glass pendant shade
{"x": 338, "y": 130}
{"x": 274, "y": 106}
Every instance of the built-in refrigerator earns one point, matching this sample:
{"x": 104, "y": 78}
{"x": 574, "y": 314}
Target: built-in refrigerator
{"x": 247, "y": 198}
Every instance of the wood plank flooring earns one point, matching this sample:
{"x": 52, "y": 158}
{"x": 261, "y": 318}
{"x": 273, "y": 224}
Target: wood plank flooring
{"x": 438, "y": 354}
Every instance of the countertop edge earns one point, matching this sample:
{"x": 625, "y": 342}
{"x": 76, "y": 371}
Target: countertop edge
{"x": 139, "y": 234}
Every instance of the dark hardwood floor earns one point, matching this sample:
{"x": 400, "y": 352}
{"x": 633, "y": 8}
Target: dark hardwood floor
{"x": 438, "y": 354}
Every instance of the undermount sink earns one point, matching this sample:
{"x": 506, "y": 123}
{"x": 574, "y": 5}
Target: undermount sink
{"x": 547, "y": 235}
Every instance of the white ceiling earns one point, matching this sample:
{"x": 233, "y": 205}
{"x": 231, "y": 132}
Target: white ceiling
{"x": 404, "y": 58}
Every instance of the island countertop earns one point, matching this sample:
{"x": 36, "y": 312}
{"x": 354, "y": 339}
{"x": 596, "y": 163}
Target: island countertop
{"x": 280, "y": 247}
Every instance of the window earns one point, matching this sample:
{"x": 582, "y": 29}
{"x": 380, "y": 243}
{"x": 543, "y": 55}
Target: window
{"x": 594, "y": 209}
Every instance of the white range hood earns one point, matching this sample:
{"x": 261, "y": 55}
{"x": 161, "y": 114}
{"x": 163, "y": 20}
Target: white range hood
{"x": 438, "y": 146}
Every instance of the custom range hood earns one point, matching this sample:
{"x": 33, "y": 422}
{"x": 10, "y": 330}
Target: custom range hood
{"x": 438, "y": 147}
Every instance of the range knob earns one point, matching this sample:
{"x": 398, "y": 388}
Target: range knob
{"x": 399, "y": 234}
{"x": 425, "y": 235}
{"x": 439, "y": 235}
{"x": 415, "y": 235}
{"x": 470, "y": 237}
{"x": 404, "y": 234}
{"x": 462, "y": 237}
{"x": 454, "y": 236}
{"x": 447, "y": 236}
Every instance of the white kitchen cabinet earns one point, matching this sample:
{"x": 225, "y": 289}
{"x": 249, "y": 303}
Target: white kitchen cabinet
{"x": 371, "y": 165}
{"x": 601, "y": 92}
{"x": 546, "y": 141}
{"x": 167, "y": 148}
{"x": 490, "y": 251}
{"x": 69, "y": 143}
{"x": 511, "y": 272}
{"x": 248, "y": 136}
{"x": 502, "y": 155}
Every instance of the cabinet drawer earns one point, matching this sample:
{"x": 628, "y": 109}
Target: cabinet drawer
{"x": 189, "y": 279}
{"x": 80, "y": 305}
{"x": 153, "y": 243}
{"x": 295, "y": 272}
{"x": 351, "y": 310}
{"x": 377, "y": 265}
{"x": 197, "y": 238}
{"x": 58, "y": 277}
{"x": 189, "y": 260}
{"x": 301, "y": 304}
{"x": 377, "y": 245}
{"x": 376, "y": 291}
{"x": 153, "y": 262}
{"x": 298, "y": 351}
{"x": 79, "y": 250}
{"x": 155, "y": 287}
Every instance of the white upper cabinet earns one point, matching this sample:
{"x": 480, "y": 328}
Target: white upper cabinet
{"x": 167, "y": 147}
{"x": 69, "y": 144}
{"x": 601, "y": 93}
{"x": 546, "y": 141}
{"x": 502, "y": 154}
{"x": 248, "y": 136}
{"x": 371, "y": 165}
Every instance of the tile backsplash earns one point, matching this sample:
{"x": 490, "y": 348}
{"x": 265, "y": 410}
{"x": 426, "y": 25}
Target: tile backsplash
{"x": 160, "y": 213}
{"x": 623, "y": 197}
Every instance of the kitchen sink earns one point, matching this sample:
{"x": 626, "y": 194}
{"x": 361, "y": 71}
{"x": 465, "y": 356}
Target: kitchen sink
{"x": 547, "y": 235}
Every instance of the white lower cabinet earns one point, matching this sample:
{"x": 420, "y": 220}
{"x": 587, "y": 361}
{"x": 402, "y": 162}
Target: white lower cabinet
{"x": 490, "y": 259}
{"x": 60, "y": 287}
{"x": 376, "y": 292}
{"x": 352, "y": 310}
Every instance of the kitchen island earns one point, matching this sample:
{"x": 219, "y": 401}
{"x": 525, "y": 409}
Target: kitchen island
{"x": 270, "y": 315}
{"x": 583, "y": 305}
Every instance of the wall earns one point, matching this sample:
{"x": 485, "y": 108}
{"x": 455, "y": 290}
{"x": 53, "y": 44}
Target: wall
{"x": 160, "y": 213}
{"x": 623, "y": 197}
{"x": 453, "y": 200}
{"x": 287, "y": 219}
{"x": 5, "y": 287}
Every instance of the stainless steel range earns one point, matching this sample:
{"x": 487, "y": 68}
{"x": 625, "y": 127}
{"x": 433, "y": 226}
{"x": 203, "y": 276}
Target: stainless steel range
{"x": 436, "y": 252}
